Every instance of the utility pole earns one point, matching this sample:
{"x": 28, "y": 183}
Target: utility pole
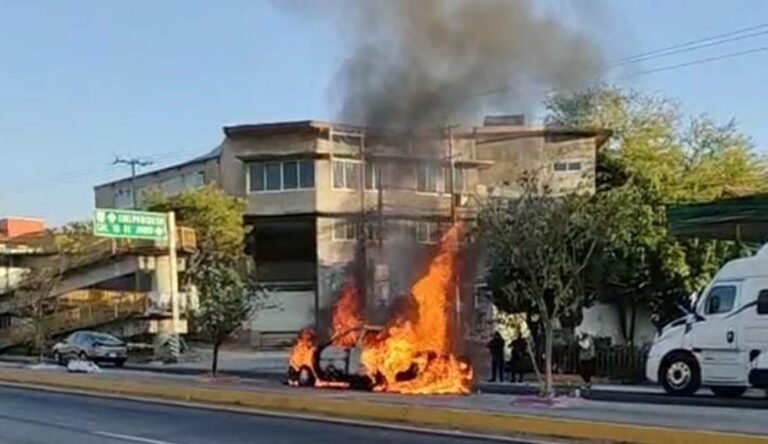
{"x": 454, "y": 220}
{"x": 133, "y": 163}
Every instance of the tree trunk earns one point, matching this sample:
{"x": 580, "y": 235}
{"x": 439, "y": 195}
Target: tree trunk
{"x": 548, "y": 345}
{"x": 621, "y": 311}
{"x": 632, "y": 323}
{"x": 215, "y": 363}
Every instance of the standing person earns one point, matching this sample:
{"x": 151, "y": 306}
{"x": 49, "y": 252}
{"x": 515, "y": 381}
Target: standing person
{"x": 496, "y": 347}
{"x": 517, "y": 359}
{"x": 587, "y": 357}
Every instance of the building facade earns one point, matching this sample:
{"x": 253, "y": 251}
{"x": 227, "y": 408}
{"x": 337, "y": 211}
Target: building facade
{"x": 328, "y": 201}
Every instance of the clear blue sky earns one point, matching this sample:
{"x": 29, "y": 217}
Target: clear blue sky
{"x": 84, "y": 80}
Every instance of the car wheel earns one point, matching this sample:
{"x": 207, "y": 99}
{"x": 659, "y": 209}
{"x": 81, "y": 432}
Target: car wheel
{"x": 729, "y": 392}
{"x": 119, "y": 363}
{"x": 306, "y": 377}
{"x": 57, "y": 358}
{"x": 680, "y": 375}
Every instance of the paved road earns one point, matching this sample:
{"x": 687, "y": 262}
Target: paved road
{"x": 38, "y": 417}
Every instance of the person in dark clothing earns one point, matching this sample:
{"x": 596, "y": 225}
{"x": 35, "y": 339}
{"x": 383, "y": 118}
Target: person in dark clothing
{"x": 587, "y": 357}
{"x": 496, "y": 347}
{"x": 517, "y": 359}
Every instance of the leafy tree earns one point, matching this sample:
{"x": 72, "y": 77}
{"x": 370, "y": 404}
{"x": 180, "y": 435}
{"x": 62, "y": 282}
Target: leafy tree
{"x": 216, "y": 217}
{"x": 539, "y": 246}
{"x": 656, "y": 158}
{"x": 219, "y": 266}
{"x": 227, "y": 300}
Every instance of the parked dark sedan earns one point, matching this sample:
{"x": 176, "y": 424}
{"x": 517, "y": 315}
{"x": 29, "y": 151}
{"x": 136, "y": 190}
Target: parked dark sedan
{"x": 91, "y": 346}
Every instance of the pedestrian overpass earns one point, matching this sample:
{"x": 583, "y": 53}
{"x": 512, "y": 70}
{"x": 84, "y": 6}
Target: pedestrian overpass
{"x": 115, "y": 285}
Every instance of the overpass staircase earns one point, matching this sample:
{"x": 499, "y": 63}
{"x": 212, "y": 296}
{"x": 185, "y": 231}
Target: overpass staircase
{"x": 74, "y": 302}
{"x": 84, "y": 309}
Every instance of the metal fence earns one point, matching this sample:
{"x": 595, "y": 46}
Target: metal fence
{"x": 616, "y": 363}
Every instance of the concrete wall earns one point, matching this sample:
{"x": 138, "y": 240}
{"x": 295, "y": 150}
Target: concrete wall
{"x": 285, "y": 310}
{"x": 9, "y": 277}
{"x": 538, "y": 154}
{"x": 602, "y": 320}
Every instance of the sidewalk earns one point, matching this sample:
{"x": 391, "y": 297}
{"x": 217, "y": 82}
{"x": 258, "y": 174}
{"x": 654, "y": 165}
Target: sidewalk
{"x": 489, "y": 413}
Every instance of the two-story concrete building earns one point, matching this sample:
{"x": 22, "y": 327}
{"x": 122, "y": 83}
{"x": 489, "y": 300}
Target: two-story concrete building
{"x": 325, "y": 200}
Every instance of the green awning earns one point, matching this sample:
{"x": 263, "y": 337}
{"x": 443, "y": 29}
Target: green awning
{"x": 742, "y": 218}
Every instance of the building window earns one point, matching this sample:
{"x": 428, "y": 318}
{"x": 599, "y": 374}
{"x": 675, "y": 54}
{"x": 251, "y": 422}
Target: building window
{"x": 276, "y": 176}
{"x": 564, "y": 166}
{"x": 574, "y": 166}
{"x": 344, "y": 230}
{"x": 194, "y": 180}
{"x": 458, "y": 178}
{"x": 346, "y": 174}
{"x": 427, "y": 232}
{"x": 372, "y": 176}
{"x": 272, "y": 179}
{"x": 427, "y": 177}
{"x": 307, "y": 174}
{"x": 256, "y": 177}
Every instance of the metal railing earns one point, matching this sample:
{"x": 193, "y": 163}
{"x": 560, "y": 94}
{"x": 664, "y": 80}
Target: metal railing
{"x": 102, "y": 249}
{"x": 83, "y": 309}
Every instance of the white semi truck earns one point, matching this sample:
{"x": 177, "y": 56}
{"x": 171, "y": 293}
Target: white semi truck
{"x": 722, "y": 343}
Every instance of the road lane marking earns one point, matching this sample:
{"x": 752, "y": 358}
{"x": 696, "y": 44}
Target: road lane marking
{"x": 131, "y": 438}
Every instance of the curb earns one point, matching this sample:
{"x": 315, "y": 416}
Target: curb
{"x": 441, "y": 418}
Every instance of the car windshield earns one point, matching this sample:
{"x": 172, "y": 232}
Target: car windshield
{"x": 105, "y": 339}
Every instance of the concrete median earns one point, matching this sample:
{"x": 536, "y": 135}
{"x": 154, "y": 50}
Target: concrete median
{"x": 414, "y": 415}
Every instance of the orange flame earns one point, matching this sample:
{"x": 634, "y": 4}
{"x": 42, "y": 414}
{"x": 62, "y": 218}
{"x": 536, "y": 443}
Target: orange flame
{"x": 420, "y": 345}
{"x": 346, "y": 315}
{"x": 303, "y": 352}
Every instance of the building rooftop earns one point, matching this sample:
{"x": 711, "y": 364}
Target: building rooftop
{"x": 489, "y": 134}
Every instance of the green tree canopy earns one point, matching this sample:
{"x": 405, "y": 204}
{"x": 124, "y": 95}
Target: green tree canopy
{"x": 656, "y": 157}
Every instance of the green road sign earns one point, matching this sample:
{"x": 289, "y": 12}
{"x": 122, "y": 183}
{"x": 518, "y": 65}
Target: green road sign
{"x": 130, "y": 224}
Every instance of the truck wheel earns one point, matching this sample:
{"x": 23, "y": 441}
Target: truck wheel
{"x": 306, "y": 377}
{"x": 680, "y": 375}
{"x": 729, "y": 392}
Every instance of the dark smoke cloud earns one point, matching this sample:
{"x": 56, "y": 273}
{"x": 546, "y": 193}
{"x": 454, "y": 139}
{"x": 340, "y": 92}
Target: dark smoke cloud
{"x": 416, "y": 64}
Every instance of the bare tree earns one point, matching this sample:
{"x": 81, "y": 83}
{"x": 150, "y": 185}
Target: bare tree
{"x": 35, "y": 299}
{"x": 539, "y": 245}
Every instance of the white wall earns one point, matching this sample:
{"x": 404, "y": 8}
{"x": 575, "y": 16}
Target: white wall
{"x": 285, "y": 311}
{"x": 602, "y": 321}
{"x": 10, "y": 277}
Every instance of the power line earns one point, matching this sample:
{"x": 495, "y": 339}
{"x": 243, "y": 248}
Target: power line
{"x": 695, "y": 62}
{"x": 693, "y": 42}
{"x": 668, "y": 53}
{"x": 76, "y": 175}
{"x": 691, "y": 45}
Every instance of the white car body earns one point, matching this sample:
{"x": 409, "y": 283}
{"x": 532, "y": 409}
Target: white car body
{"x": 724, "y": 340}
{"x": 347, "y": 360}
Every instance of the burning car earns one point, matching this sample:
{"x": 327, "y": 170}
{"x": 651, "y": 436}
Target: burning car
{"x": 413, "y": 354}
{"x": 335, "y": 363}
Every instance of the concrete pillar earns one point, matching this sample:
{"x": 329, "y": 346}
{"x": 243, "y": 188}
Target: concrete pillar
{"x": 161, "y": 283}
{"x": 161, "y": 280}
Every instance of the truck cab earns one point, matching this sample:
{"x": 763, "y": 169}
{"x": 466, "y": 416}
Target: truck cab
{"x": 722, "y": 342}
